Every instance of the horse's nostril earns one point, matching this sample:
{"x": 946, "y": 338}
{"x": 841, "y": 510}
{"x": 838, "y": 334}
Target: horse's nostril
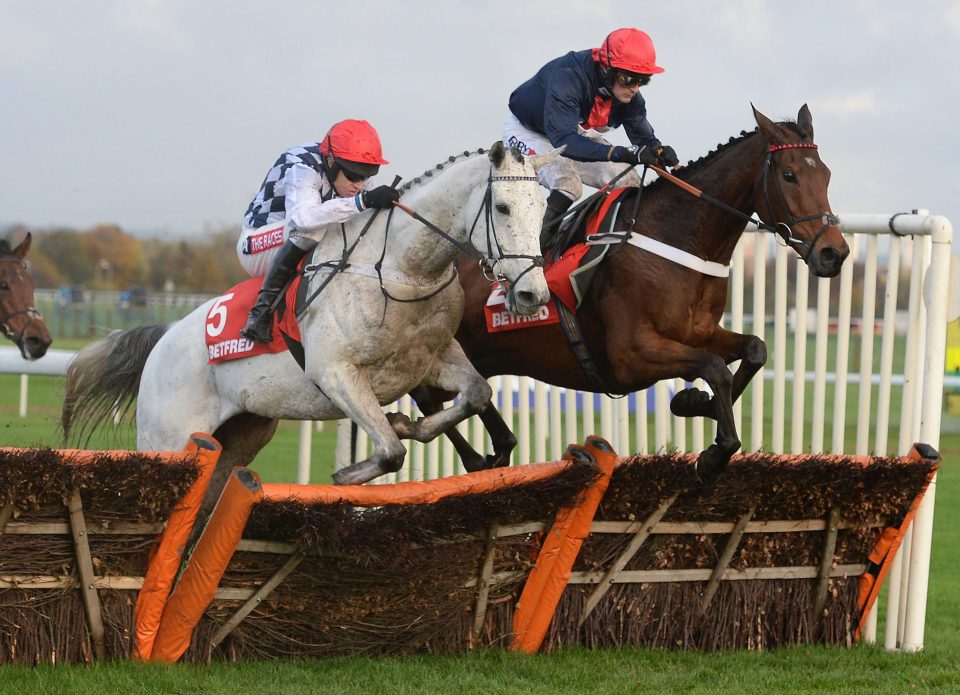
{"x": 526, "y": 298}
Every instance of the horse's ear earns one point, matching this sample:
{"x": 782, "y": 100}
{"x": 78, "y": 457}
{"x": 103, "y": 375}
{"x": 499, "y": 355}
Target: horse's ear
{"x": 767, "y": 127}
{"x": 23, "y": 246}
{"x": 541, "y": 160}
{"x": 805, "y": 121}
{"x": 496, "y": 154}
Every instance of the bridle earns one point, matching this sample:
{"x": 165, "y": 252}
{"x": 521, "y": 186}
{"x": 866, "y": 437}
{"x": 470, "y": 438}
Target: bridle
{"x": 829, "y": 219}
{"x": 489, "y": 263}
{"x": 31, "y": 311}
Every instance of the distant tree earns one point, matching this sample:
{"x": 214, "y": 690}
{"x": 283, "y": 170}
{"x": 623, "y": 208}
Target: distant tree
{"x": 118, "y": 257}
{"x": 65, "y": 250}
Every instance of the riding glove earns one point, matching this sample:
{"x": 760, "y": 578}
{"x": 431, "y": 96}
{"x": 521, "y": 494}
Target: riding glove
{"x": 637, "y": 154}
{"x": 668, "y": 156}
{"x": 380, "y": 197}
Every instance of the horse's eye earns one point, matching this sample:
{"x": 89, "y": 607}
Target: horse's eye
{"x": 789, "y": 176}
{"x": 503, "y": 208}
{"x": 4, "y": 286}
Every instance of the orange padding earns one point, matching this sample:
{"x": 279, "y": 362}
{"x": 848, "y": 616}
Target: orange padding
{"x": 550, "y": 575}
{"x": 197, "y": 585}
{"x": 885, "y": 550}
{"x": 426, "y": 492}
{"x": 166, "y": 554}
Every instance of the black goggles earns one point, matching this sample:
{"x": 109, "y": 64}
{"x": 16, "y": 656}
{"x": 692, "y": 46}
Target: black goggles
{"x": 626, "y": 79}
{"x": 351, "y": 176}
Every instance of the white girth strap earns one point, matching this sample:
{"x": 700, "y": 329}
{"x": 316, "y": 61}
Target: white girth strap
{"x": 674, "y": 254}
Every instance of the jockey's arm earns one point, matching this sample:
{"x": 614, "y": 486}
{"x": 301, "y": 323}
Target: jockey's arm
{"x": 638, "y": 129}
{"x": 306, "y": 210}
{"x": 561, "y": 117}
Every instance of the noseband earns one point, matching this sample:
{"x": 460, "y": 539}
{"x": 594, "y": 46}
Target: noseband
{"x": 828, "y": 218}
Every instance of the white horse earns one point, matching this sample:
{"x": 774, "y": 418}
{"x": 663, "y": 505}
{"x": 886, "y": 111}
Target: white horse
{"x": 363, "y": 348}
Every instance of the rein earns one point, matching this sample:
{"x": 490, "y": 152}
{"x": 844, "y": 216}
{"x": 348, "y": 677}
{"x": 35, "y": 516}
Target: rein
{"x": 489, "y": 264}
{"x": 828, "y": 218}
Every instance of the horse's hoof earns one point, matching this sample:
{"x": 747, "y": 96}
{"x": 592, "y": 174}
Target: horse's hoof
{"x": 402, "y": 425}
{"x": 497, "y": 461}
{"x": 710, "y": 466}
{"x": 691, "y": 402}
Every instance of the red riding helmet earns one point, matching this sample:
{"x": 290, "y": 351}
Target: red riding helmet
{"x": 630, "y": 50}
{"x": 355, "y": 146}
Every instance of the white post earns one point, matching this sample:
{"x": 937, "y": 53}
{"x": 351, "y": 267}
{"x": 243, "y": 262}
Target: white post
{"x": 935, "y": 297}
{"x": 23, "y": 395}
{"x": 799, "y": 358}
{"x": 303, "y": 453}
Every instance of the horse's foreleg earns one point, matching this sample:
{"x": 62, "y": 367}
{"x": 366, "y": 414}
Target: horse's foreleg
{"x": 348, "y": 388}
{"x": 752, "y": 353}
{"x": 430, "y": 401}
{"x": 677, "y": 359}
{"x": 452, "y": 372}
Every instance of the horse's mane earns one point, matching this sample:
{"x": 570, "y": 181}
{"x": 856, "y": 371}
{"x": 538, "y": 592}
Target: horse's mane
{"x": 6, "y": 247}
{"x": 695, "y": 165}
{"x": 466, "y": 154}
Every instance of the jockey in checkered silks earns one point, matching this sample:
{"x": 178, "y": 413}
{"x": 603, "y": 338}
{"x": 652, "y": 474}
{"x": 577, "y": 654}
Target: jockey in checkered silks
{"x": 310, "y": 187}
{"x": 572, "y": 101}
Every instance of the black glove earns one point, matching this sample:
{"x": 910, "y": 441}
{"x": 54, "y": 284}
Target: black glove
{"x": 380, "y": 197}
{"x": 668, "y": 156}
{"x": 638, "y": 154}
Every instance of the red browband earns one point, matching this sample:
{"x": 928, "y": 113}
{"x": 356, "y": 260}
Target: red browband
{"x": 794, "y": 146}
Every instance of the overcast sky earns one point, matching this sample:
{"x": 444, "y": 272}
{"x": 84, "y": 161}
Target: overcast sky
{"x": 164, "y": 115}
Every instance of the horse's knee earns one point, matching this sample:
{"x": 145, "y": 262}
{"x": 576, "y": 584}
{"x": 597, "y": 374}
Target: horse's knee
{"x": 477, "y": 395}
{"x": 755, "y": 352}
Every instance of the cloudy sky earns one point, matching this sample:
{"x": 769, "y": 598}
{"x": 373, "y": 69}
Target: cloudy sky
{"x": 164, "y": 115}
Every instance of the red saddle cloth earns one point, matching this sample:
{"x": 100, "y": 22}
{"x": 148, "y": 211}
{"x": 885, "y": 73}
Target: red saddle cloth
{"x": 558, "y": 280}
{"x": 228, "y": 315}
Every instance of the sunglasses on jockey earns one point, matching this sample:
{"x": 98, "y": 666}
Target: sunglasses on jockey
{"x": 353, "y": 177}
{"x": 631, "y": 79}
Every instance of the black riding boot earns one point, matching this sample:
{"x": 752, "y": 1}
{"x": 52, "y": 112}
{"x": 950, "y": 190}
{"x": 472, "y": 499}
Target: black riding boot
{"x": 557, "y": 205}
{"x": 259, "y": 326}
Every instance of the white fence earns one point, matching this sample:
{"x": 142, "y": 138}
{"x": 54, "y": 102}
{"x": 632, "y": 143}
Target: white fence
{"x": 904, "y": 260}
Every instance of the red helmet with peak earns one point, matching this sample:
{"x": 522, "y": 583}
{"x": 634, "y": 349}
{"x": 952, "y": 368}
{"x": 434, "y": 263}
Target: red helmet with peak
{"x": 630, "y": 50}
{"x": 355, "y": 146}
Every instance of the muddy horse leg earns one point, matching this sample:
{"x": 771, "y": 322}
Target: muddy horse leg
{"x": 431, "y": 401}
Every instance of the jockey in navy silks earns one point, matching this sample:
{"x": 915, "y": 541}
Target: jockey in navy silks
{"x": 309, "y": 187}
{"x": 572, "y": 101}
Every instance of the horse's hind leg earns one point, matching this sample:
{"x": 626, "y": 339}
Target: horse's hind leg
{"x": 241, "y": 438}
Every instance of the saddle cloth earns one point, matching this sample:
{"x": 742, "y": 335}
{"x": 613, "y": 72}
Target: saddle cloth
{"x": 568, "y": 277}
{"x": 228, "y": 315}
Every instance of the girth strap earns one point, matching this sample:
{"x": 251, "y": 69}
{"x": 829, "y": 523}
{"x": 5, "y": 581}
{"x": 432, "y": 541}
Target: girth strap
{"x": 574, "y": 336}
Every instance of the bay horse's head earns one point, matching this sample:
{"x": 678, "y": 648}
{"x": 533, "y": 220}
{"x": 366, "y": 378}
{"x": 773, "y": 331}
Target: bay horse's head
{"x": 19, "y": 319}
{"x": 793, "y": 194}
{"x": 515, "y": 213}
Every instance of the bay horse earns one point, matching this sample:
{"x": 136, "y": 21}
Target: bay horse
{"x": 383, "y": 325}
{"x": 647, "y": 318}
{"x": 20, "y": 320}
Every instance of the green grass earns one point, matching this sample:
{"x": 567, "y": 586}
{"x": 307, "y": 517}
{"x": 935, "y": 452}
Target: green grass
{"x": 863, "y": 669}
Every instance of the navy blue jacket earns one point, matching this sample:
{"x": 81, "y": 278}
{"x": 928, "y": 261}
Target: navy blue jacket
{"x": 559, "y": 98}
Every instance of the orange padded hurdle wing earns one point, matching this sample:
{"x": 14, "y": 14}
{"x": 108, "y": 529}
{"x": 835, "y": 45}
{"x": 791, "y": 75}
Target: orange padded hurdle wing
{"x": 166, "y": 555}
{"x": 549, "y": 577}
{"x": 197, "y": 585}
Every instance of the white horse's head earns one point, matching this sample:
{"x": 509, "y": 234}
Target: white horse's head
{"x": 511, "y": 237}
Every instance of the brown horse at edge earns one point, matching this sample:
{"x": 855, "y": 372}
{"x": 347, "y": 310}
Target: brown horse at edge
{"x": 20, "y": 321}
{"x": 647, "y": 318}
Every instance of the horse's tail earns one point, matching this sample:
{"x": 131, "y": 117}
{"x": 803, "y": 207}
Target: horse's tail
{"x": 103, "y": 379}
